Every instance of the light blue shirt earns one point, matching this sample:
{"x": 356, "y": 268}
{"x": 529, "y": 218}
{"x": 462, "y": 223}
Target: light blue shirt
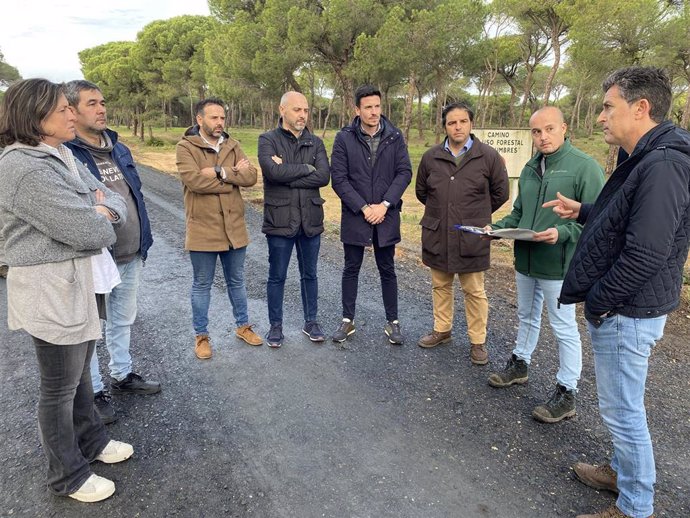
{"x": 465, "y": 148}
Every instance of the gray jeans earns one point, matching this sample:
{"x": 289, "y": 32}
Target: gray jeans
{"x": 71, "y": 433}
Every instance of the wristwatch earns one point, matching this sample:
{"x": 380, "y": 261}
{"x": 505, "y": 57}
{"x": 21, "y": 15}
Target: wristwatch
{"x": 219, "y": 172}
{"x": 386, "y": 204}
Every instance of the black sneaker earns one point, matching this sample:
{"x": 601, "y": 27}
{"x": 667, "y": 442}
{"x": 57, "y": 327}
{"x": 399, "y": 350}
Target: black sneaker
{"x": 275, "y": 337}
{"x": 104, "y": 408}
{"x": 313, "y": 331}
{"x": 392, "y": 330}
{"x": 560, "y": 406}
{"x": 347, "y": 327}
{"x": 516, "y": 371}
{"x": 134, "y": 384}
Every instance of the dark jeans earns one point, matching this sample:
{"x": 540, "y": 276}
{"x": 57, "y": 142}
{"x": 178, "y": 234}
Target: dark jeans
{"x": 385, "y": 261}
{"x": 71, "y": 433}
{"x": 279, "y": 254}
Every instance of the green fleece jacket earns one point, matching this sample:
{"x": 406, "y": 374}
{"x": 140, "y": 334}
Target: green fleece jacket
{"x": 570, "y": 172}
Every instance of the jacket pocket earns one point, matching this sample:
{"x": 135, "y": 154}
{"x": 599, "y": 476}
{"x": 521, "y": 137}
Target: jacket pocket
{"x": 62, "y": 300}
{"x": 471, "y": 245}
{"x": 277, "y": 212}
{"x": 316, "y": 212}
{"x": 431, "y": 236}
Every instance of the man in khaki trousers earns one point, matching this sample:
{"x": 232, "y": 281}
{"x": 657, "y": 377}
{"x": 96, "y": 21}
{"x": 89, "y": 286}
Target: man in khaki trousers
{"x": 461, "y": 181}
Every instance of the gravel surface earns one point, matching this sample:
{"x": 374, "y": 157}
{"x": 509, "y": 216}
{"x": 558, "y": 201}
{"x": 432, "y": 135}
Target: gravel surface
{"x": 363, "y": 430}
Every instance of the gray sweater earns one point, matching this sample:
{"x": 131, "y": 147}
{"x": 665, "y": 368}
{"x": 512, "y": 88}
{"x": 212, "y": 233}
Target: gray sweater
{"x": 48, "y": 213}
{"x": 51, "y": 229}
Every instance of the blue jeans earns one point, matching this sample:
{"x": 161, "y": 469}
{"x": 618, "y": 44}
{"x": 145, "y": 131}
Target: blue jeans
{"x": 204, "y": 266}
{"x": 531, "y": 295}
{"x": 121, "y": 311}
{"x": 279, "y": 253}
{"x": 622, "y": 346}
{"x": 72, "y": 434}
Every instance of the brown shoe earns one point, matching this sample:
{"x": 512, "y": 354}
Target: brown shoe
{"x": 598, "y": 477}
{"x": 478, "y": 354}
{"x": 3, "y": 270}
{"x": 434, "y": 338}
{"x": 247, "y": 334}
{"x": 202, "y": 349}
{"x": 611, "y": 512}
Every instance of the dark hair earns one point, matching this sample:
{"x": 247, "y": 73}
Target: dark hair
{"x": 199, "y": 107}
{"x": 74, "y": 88}
{"x": 365, "y": 91}
{"x": 635, "y": 83}
{"x": 24, "y": 107}
{"x": 456, "y": 106}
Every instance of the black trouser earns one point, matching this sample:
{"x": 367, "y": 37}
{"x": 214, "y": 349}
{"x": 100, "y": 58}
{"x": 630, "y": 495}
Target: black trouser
{"x": 385, "y": 261}
{"x": 71, "y": 433}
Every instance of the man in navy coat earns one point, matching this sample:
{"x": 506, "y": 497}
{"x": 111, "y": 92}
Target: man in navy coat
{"x": 370, "y": 170}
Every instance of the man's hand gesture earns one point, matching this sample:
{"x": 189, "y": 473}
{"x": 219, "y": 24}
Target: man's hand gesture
{"x": 564, "y": 207}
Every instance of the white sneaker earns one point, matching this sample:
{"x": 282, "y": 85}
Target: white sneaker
{"x": 94, "y": 489}
{"x": 115, "y": 451}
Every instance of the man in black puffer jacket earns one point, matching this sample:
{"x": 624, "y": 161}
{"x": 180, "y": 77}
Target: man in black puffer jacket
{"x": 294, "y": 166}
{"x": 628, "y": 270}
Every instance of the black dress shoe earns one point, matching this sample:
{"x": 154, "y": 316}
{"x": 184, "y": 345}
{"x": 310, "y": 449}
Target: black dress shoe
{"x": 134, "y": 384}
{"x": 104, "y": 408}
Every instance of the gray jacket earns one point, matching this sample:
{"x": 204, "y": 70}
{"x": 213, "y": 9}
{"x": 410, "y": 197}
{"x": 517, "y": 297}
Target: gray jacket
{"x": 51, "y": 229}
{"x": 47, "y": 212}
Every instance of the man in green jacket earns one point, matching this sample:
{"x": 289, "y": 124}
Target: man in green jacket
{"x": 541, "y": 264}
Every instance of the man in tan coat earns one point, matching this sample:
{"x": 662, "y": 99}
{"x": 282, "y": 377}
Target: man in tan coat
{"x": 213, "y": 167}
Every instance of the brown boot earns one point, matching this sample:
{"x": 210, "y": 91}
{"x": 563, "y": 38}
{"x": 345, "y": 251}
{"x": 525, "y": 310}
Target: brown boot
{"x": 202, "y": 348}
{"x": 598, "y": 477}
{"x": 247, "y": 334}
{"x": 478, "y": 354}
{"x": 434, "y": 338}
{"x": 611, "y": 512}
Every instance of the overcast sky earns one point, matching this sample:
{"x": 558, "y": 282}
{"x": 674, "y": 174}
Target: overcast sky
{"x": 42, "y": 37}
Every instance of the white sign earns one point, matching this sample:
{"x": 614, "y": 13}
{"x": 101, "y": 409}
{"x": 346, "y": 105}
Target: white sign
{"x": 514, "y": 145}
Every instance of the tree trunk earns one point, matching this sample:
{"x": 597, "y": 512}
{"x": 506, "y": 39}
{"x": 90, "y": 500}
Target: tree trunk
{"x": 611, "y": 159}
{"x": 525, "y": 96}
{"x": 556, "y": 47}
{"x": 409, "y": 100}
{"x": 294, "y": 85}
{"x": 192, "y": 115}
{"x": 686, "y": 111}
{"x": 440, "y": 102}
{"x": 511, "y": 109}
{"x": 420, "y": 114}
{"x": 328, "y": 114}
{"x": 312, "y": 92}
{"x": 343, "y": 110}
{"x": 348, "y": 91}
{"x": 575, "y": 117}
{"x": 589, "y": 120}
